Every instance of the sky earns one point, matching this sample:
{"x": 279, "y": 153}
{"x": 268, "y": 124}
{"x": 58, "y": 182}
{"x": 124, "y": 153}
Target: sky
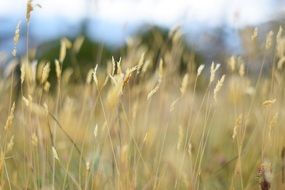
{"x": 113, "y": 21}
{"x": 165, "y": 12}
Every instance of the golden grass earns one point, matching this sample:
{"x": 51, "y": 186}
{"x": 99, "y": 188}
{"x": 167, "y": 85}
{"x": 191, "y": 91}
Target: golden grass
{"x": 135, "y": 124}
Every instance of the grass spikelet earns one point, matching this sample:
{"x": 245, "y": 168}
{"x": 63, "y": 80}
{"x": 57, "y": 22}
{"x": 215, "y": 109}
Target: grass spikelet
{"x": 66, "y": 75}
{"x": 64, "y": 44}
{"x": 160, "y": 70}
{"x": 34, "y": 140}
{"x": 89, "y": 76}
{"x": 23, "y": 71}
{"x": 10, "y": 118}
{"x": 54, "y": 153}
{"x": 26, "y": 101}
{"x": 172, "y": 105}
{"x": 268, "y": 42}
{"x": 45, "y": 107}
{"x": 146, "y": 66}
{"x": 87, "y": 165}
{"x": 213, "y": 71}
{"x": 280, "y": 48}
{"x": 279, "y": 33}
{"x": 172, "y": 31}
{"x": 141, "y": 62}
{"x": 62, "y": 52}
{"x": 46, "y": 86}
{"x": 218, "y": 87}
{"x": 95, "y": 132}
{"x": 116, "y": 66}
{"x": 30, "y": 71}
{"x": 237, "y": 126}
{"x": 176, "y": 35}
{"x": 58, "y": 69}
{"x": 78, "y": 44}
{"x": 268, "y": 103}
{"x": 145, "y": 138}
{"x": 273, "y": 122}
{"x": 184, "y": 84}
{"x": 113, "y": 66}
{"x": 10, "y": 144}
{"x": 128, "y": 75}
{"x": 106, "y": 81}
{"x": 29, "y": 9}
{"x": 45, "y": 73}
{"x": 116, "y": 91}
{"x": 153, "y": 91}
{"x": 200, "y": 70}
{"x": 39, "y": 71}
{"x": 189, "y": 149}
{"x": 95, "y": 75}
{"x": 180, "y": 137}
{"x": 16, "y": 38}
{"x": 280, "y": 63}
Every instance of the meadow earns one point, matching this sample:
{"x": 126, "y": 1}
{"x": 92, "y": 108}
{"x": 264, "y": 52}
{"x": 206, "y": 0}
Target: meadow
{"x": 142, "y": 122}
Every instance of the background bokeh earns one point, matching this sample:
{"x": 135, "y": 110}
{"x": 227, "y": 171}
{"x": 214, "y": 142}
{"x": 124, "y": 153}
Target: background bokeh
{"x": 213, "y": 28}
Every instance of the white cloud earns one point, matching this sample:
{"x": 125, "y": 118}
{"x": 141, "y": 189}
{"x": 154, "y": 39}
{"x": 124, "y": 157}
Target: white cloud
{"x": 163, "y": 12}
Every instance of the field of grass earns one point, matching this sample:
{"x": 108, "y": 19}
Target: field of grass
{"x": 135, "y": 123}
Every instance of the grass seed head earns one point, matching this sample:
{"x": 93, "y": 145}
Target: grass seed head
{"x": 46, "y": 86}
{"x": 95, "y": 75}
{"x": 89, "y": 76}
{"x": 54, "y": 153}
{"x": 23, "y": 72}
{"x": 57, "y": 69}
{"x": 45, "y": 73}
{"x": 34, "y": 140}
{"x": 10, "y": 144}
{"x": 268, "y": 103}
{"x": 200, "y": 69}
{"x": 153, "y": 91}
{"x": 218, "y": 86}
{"x": 96, "y": 131}
{"x": 29, "y": 9}
{"x": 78, "y": 44}
{"x": 161, "y": 70}
{"x": 279, "y": 34}
{"x": 10, "y": 118}
{"x": 214, "y": 68}
{"x": 16, "y": 38}
{"x": 184, "y": 84}
{"x": 180, "y": 137}
{"x": 64, "y": 45}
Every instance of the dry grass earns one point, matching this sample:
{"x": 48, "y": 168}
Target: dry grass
{"x": 135, "y": 126}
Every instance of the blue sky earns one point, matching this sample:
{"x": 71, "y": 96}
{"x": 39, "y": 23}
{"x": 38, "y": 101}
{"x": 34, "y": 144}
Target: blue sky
{"x": 112, "y": 21}
{"x": 165, "y": 12}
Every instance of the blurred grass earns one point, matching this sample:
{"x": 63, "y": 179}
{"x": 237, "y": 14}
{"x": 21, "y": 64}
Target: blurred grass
{"x": 156, "y": 118}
